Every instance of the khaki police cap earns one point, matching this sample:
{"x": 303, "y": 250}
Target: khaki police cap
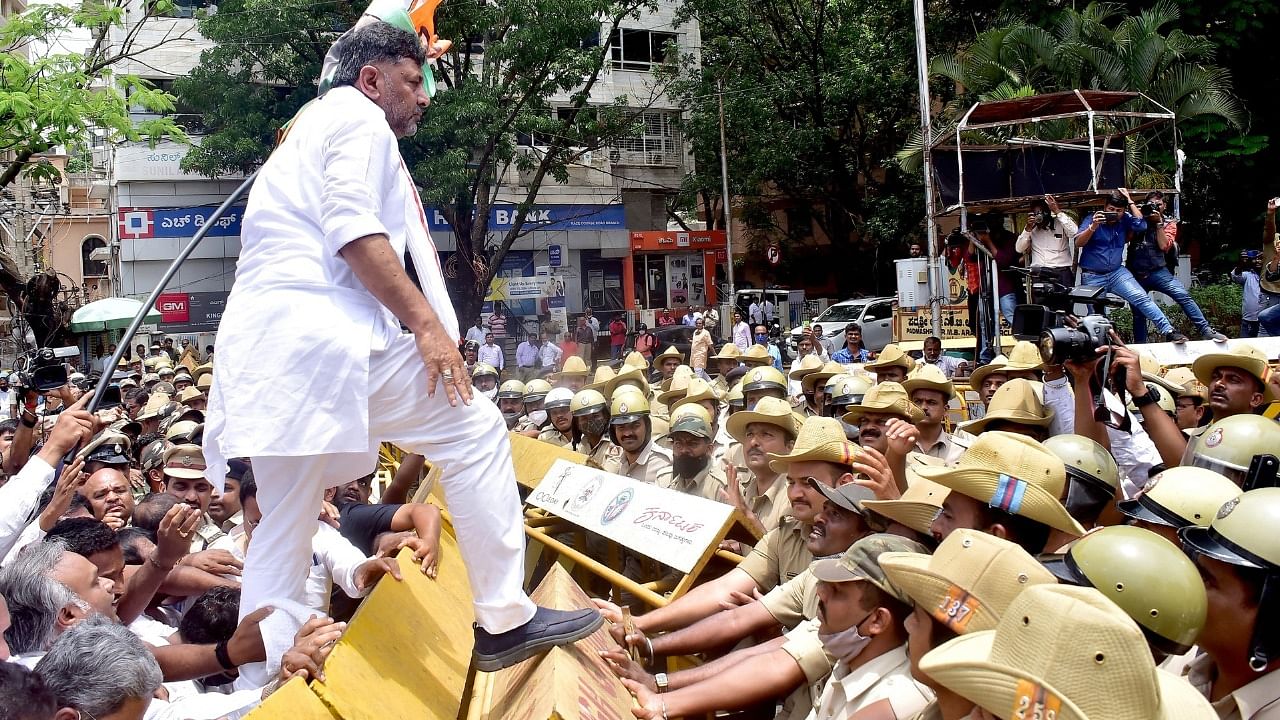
{"x": 821, "y": 439}
{"x": 1012, "y": 473}
{"x": 186, "y": 395}
{"x": 888, "y": 398}
{"x": 969, "y": 582}
{"x": 1064, "y": 652}
{"x": 184, "y": 461}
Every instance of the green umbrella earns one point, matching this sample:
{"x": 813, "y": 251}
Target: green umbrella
{"x": 109, "y": 314}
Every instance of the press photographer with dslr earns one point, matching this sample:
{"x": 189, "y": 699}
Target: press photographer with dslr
{"x": 1048, "y": 234}
{"x": 1149, "y": 261}
{"x": 1103, "y": 238}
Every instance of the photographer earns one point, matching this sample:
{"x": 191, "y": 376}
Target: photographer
{"x": 1048, "y": 235}
{"x": 1269, "y": 298}
{"x": 1001, "y": 244}
{"x": 1103, "y": 238}
{"x": 1149, "y": 262}
{"x": 1247, "y": 272}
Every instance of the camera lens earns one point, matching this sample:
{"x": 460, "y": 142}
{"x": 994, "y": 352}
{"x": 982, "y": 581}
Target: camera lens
{"x": 1060, "y": 344}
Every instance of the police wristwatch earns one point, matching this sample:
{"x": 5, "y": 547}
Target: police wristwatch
{"x": 1141, "y": 401}
{"x": 661, "y": 681}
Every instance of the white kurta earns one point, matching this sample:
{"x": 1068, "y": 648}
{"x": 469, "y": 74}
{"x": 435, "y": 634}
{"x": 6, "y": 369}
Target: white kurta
{"x": 294, "y": 342}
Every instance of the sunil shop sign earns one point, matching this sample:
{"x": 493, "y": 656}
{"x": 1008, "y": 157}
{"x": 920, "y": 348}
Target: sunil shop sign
{"x": 549, "y": 217}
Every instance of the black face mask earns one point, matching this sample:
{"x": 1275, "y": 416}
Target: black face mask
{"x": 687, "y": 467}
{"x": 595, "y": 426}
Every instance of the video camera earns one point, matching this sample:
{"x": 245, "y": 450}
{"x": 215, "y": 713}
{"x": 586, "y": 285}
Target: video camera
{"x": 45, "y": 369}
{"x": 1049, "y": 329}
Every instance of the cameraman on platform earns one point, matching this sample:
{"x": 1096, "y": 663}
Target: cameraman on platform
{"x": 1103, "y": 237}
{"x": 1048, "y": 235}
{"x": 1150, "y": 261}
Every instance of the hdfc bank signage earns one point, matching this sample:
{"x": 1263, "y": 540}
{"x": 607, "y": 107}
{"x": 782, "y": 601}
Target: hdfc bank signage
{"x": 174, "y": 307}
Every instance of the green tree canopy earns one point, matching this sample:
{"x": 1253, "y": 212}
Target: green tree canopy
{"x": 517, "y": 68}
{"x": 51, "y": 98}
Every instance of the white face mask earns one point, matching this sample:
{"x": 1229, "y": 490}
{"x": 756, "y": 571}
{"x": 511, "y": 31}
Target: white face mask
{"x": 492, "y": 393}
{"x": 538, "y": 417}
{"x": 846, "y": 644}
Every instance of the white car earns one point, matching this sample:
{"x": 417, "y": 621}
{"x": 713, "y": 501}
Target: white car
{"x": 875, "y": 315}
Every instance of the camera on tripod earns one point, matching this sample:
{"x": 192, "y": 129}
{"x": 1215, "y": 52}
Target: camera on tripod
{"x": 1056, "y": 339}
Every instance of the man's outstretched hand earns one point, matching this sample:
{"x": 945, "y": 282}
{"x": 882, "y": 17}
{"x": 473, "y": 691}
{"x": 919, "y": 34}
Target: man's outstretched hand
{"x": 444, "y": 364}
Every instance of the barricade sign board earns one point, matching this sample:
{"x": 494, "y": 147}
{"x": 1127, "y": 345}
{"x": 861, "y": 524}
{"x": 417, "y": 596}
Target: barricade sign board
{"x": 571, "y": 682}
{"x": 666, "y": 525}
{"x": 532, "y": 458}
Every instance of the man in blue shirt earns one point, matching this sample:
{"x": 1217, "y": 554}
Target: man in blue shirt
{"x": 1103, "y": 237}
{"x": 853, "y": 350}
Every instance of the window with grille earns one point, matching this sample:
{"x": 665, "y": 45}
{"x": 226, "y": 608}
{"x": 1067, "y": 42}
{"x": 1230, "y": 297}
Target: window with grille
{"x": 88, "y": 266}
{"x": 655, "y": 144}
{"x": 639, "y": 50}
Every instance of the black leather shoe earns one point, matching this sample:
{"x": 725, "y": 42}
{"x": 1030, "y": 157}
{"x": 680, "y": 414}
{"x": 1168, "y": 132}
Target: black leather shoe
{"x": 547, "y": 629}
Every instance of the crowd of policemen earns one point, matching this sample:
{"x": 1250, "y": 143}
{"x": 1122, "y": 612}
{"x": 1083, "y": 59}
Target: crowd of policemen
{"x": 1039, "y": 542}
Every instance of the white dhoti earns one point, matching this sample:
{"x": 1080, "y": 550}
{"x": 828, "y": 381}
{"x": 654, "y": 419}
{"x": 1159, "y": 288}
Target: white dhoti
{"x": 313, "y": 373}
{"x": 471, "y": 446}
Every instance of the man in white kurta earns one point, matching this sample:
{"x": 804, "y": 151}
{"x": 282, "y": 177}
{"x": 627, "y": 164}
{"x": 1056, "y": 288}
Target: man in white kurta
{"x": 313, "y": 371}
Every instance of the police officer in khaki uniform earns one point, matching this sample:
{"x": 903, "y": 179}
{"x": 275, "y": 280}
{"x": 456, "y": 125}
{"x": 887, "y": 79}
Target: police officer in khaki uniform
{"x": 1239, "y": 557}
{"x": 667, "y": 361}
{"x": 931, "y": 391}
{"x": 703, "y": 393}
{"x": 511, "y": 402}
{"x": 184, "y": 479}
{"x": 591, "y": 426}
{"x": 573, "y": 374}
{"x": 860, "y": 601}
{"x": 761, "y": 491}
{"x": 535, "y": 414}
{"x": 781, "y": 555}
{"x": 965, "y": 586}
{"x": 631, "y": 430}
{"x": 560, "y": 430}
{"x": 891, "y": 365}
{"x": 692, "y": 472}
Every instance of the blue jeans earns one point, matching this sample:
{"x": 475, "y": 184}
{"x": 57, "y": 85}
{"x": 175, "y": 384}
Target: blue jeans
{"x": 1007, "y": 304}
{"x": 1269, "y": 315}
{"x": 1164, "y": 281}
{"x": 1121, "y": 282}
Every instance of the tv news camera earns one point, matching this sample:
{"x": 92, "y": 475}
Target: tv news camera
{"x": 45, "y": 369}
{"x": 1062, "y": 336}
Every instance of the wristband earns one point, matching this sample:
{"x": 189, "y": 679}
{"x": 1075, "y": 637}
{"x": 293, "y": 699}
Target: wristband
{"x": 25, "y": 423}
{"x": 1141, "y": 401}
{"x": 224, "y": 657}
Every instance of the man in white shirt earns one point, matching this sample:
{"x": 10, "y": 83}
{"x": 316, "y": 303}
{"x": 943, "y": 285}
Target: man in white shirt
{"x": 476, "y": 333}
{"x": 491, "y": 353}
{"x": 756, "y": 313}
{"x": 1049, "y": 233}
{"x": 325, "y": 231}
{"x": 8, "y": 398}
{"x": 549, "y": 354}
{"x": 767, "y": 307}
